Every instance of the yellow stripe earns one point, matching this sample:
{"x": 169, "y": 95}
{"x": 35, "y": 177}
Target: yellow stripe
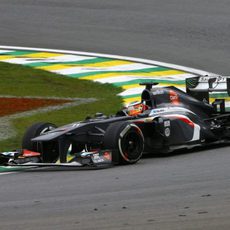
{"x": 99, "y": 65}
{"x": 5, "y": 57}
{"x": 33, "y": 55}
{"x": 132, "y": 99}
{"x": 213, "y": 99}
{"x": 103, "y": 75}
{"x": 54, "y": 67}
{"x": 160, "y": 73}
{"x": 117, "y": 74}
{"x": 41, "y": 55}
{"x": 68, "y": 159}
{"x": 160, "y": 84}
{"x": 109, "y": 63}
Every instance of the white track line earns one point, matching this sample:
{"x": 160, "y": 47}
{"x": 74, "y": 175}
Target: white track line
{"x": 6, "y": 173}
{"x": 53, "y": 60}
{"x": 78, "y": 70}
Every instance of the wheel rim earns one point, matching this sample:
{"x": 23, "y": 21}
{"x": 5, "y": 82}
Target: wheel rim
{"x": 131, "y": 144}
{"x": 47, "y": 129}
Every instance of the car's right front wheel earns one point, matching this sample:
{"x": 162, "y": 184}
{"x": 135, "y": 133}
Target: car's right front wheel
{"x": 50, "y": 150}
{"x": 126, "y": 141}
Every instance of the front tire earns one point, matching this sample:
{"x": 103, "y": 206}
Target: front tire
{"x": 49, "y": 150}
{"x": 126, "y": 142}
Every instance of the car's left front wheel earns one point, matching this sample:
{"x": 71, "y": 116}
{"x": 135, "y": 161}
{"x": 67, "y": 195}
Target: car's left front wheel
{"x": 126, "y": 141}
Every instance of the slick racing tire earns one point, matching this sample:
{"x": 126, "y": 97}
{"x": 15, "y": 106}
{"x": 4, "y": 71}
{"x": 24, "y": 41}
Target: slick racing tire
{"x": 126, "y": 142}
{"x": 49, "y": 150}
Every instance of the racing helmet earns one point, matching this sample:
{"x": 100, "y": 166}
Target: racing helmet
{"x": 136, "y": 108}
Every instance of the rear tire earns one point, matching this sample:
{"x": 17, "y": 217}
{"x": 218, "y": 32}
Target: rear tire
{"x": 126, "y": 142}
{"x": 49, "y": 149}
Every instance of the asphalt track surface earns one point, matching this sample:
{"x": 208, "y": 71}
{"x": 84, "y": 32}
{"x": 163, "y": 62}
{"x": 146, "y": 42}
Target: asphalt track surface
{"x": 184, "y": 191}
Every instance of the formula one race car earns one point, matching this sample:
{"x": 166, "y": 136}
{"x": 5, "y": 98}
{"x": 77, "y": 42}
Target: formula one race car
{"x": 166, "y": 119}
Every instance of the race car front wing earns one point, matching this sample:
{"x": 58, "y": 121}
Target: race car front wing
{"x": 26, "y": 158}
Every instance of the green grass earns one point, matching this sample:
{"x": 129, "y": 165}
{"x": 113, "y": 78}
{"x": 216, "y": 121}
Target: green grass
{"x": 19, "y": 80}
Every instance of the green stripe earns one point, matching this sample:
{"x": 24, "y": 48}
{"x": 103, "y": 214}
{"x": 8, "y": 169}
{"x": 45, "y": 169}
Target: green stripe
{"x": 215, "y": 95}
{"x": 130, "y": 96}
{"x": 148, "y": 70}
{"x": 137, "y": 81}
{"x": 89, "y": 61}
{"x": 74, "y": 63}
{"x": 37, "y": 64}
{"x": 20, "y": 52}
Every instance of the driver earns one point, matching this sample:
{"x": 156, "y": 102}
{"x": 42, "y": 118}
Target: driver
{"x": 136, "y": 108}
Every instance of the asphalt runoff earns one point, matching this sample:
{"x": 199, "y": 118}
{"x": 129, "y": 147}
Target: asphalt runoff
{"x": 183, "y": 191}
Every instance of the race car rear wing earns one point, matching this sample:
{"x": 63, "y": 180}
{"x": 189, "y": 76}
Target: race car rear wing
{"x": 200, "y": 87}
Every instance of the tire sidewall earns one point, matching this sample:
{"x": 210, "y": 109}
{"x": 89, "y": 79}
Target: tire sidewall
{"x": 113, "y": 138}
{"x": 125, "y": 131}
{"x": 33, "y": 131}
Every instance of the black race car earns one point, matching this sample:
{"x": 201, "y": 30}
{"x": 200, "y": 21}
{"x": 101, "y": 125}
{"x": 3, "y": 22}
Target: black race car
{"x": 166, "y": 119}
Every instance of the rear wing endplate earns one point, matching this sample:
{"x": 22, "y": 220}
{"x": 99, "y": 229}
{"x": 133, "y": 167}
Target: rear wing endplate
{"x": 200, "y": 87}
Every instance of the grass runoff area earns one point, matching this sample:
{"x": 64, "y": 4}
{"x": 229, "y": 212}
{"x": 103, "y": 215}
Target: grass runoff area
{"x": 17, "y": 80}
